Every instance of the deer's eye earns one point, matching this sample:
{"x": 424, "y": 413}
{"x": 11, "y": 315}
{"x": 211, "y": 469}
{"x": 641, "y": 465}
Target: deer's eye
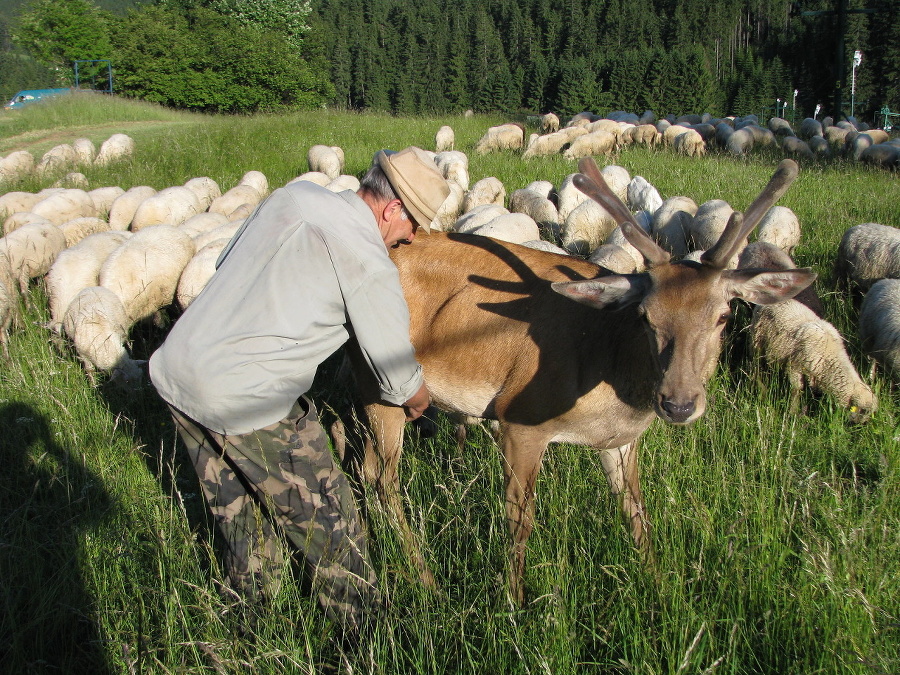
{"x": 723, "y": 318}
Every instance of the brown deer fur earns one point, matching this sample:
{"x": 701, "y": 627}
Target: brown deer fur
{"x": 557, "y": 353}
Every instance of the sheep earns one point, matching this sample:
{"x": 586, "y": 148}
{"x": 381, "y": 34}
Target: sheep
{"x": 781, "y": 127}
{"x": 170, "y": 206}
{"x": 78, "y": 228}
{"x": 449, "y": 210}
{"x": 488, "y": 190}
{"x": 122, "y": 210}
{"x": 879, "y": 325}
{"x": 617, "y": 178}
{"x": 671, "y": 224}
{"x": 644, "y": 134}
{"x": 16, "y": 165}
{"x": 252, "y": 189}
{"x": 614, "y": 258}
{"x": 740, "y": 142}
{"x": 479, "y": 216}
{"x": 763, "y": 255}
{"x": 781, "y": 227}
{"x": 810, "y": 127}
{"x": 543, "y": 187}
{"x": 324, "y": 158}
{"x": 509, "y": 136}
{"x": 20, "y": 218}
{"x": 103, "y": 199}
{"x": 689, "y": 143}
{"x": 552, "y": 144}
{"x": 598, "y": 142}
{"x": 543, "y": 245}
{"x": 85, "y": 151}
{"x": 316, "y": 177}
{"x": 819, "y": 146}
{"x": 454, "y": 166}
{"x": 13, "y": 202}
{"x": 533, "y": 204}
{"x": 206, "y": 190}
{"x": 202, "y": 222}
{"x": 616, "y": 238}
{"x": 143, "y": 272}
{"x": 198, "y": 272}
{"x": 708, "y": 223}
{"x": 673, "y": 130}
{"x": 64, "y": 205}
{"x": 884, "y": 155}
{"x": 225, "y": 231}
{"x": 28, "y": 252}
{"x": 585, "y": 228}
{"x": 339, "y": 184}
{"x": 58, "y": 158}
{"x": 642, "y": 196}
{"x": 444, "y": 139}
{"x": 812, "y": 352}
{"x": 723, "y": 133}
{"x": 76, "y": 268}
{"x": 97, "y": 325}
{"x": 516, "y": 228}
{"x": 568, "y": 197}
{"x": 836, "y": 136}
{"x": 549, "y": 123}
{"x": 73, "y": 179}
{"x": 116, "y": 148}
{"x": 867, "y": 253}
{"x": 797, "y": 148}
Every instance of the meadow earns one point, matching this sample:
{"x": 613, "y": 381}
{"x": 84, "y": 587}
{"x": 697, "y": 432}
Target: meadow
{"x": 777, "y": 533}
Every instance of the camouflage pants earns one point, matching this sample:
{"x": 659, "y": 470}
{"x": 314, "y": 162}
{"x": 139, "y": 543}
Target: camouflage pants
{"x": 284, "y": 476}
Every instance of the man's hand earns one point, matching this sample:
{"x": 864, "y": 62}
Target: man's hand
{"x": 417, "y": 404}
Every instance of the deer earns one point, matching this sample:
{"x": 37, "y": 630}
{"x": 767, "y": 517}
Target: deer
{"x": 558, "y": 349}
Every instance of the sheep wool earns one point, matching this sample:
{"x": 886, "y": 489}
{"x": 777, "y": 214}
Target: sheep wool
{"x": 869, "y": 252}
{"x": 206, "y": 190}
{"x": 781, "y": 227}
{"x": 58, "y": 158}
{"x": 708, "y": 223}
{"x": 169, "y": 206}
{"x": 116, "y": 148}
{"x": 502, "y": 137}
{"x": 879, "y": 325}
{"x": 586, "y": 227}
{"x": 85, "y": 151}
{"x": 13, "y": 202}
{"x": 479, "y": 216}
{"x": 16, "y": 165}
{"x": 78, "y": 228}
{"x": 444, "y": 139}
{"x": 642, "y": 196}
{"x": 28, "y": 253}
{"x": 533, "y": 204}
{"x": 17, "y": 220}
{"x": 323, "y": 158}
{"x": 7, "y": 312}
{"x": 198, "y": 272}
{"x": 516, "y": 228}
{"x": 103, "y": 199}
{"x": 123, "y": 208}
{"x": 64, "y": 205}
{"x": 672, "y": 222}
{"x": 766, "y": 256}
{"x": 488, "y": 190}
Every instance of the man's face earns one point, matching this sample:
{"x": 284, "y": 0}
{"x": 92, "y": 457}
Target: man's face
{"x": 399, "y": 227}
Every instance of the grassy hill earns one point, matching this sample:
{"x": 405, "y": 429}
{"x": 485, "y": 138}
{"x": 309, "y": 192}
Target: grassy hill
{"x": 777, "y": 533}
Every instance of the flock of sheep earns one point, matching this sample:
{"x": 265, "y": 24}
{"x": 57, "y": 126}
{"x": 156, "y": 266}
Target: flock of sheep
{"x": 111, "y": 258}
{"x": 587, "y": 134}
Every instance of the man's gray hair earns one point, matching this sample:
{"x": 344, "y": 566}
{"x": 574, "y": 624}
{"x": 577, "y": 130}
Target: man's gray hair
{"x": 375, "y": 182}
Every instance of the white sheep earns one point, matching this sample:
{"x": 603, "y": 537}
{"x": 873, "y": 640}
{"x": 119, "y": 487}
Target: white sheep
{"x": 16, "y": 165}
{"x": 144, "y": 271}
{"x": 85, "y": 151}
{"x": 226, "y": 231}
{"x": 552, "y": 144}
{"x": 323, "y": 158}
{"x": 78, "y": 228}
{"x": 116, "y": 148}
{"x": 103, "y": 199}
{"x": 73, "y": 179}
{"x": 206, "y": 190}
{"x": 766, "y": 256}
{"x": 614, "y": 258}
{"x": 689, "y": 143}
{"x": 316, "y": 177}
{"x": 533, "y": 204}
{"x": 58, "y": 158}
{"x": 644, "y": 134}
{"x": 488, "y": 190}
{"x": 879, "y": 325}
{"x": 672, "y": 222}
{"x": 76, "y": 268}
{"x": 198, "y": 272}
{"x": 542, "y": 187}
{"x": 170, "y": 206}
{"x": 549, "y": 123}
{"x": 454, "y": 167}
{"x": 123, "y": 208}
{"x": 616, "y": 238}
{"x": 444, "y": 139}
{"x": 501, "y": 137}
{"x": 670, "y": 132}
{"x": 642, "y": 196}
{"x": 28, "y": 253}
{"x": 339, "y": 184}
{"x": 479, "y": 216}
{"x": 618, "y": 179}
{"x": 64, "y": 205}
{"x": 869, "y": 252}
{"x": 568, "y": 197}
{"x": 20, "y": 218}
{"x": 13, "y": 202}
{"x": 781, "y": 227}
{"x": 708, "y": 223}
{"x": 97, "y": 325}
{"x": 599, "y": 142}
{"x": 516, "y": 228}
{"x": 812, "y": 352}
{"x": 543, "y": 245}
{"x": 449, "y": 210}
{"x": 202, "y": 222}
{"x": 243, "y": 193}
{"x": 586, "y": 227}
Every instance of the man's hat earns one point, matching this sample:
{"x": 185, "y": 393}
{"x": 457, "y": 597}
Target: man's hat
{"x": 417, "y": 182}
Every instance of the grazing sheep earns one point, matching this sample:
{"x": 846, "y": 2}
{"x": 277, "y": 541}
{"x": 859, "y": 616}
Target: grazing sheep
{"x": 552, "y": 144}
{"x": 143, "y": 272}
{"x": 509, "y": 136}
{"x": 812, "y": 352}
{"x": 549, "y": 123}
{"x": 28, "y": 252}
{"x": 252, "y": 189}
{"x": 781, "y": 227}
{"x": 582, "y": 118}
{"x": 76, "y": 268}
{"x": 58, "y": 158}
{"x": 202, "y": 222}
{"x": 316, "y": 177}
{"x": 689, "y": 143}
{"x": 116, "y": 148}
{"x": 169, "y": 206}
{"x": 73, "y": 179}
{"x": 820, "y": 146}
{"x": 444, "y": 139}
{"x": 836, "y": 136}
{"x": 642, "y": 196}
{"x": 516, "y": 228}
{"x": 122, "y": 210}
{"x": 586, "y": 227}
{"x": 762, "y": 137}
{"x": 454, "y": 166}
{"x": 543, "y": 187}
{"x": 97, "y": 325}
{"x": 797, "y": 148}
{"x": 766, "y": 256}
{"x": 533, "y": 204}
{"x": 708, "y": 223}
{"x": 616, "y": 238}
{"x": 64, "y": 205}
{"x": 198, "y": 272}
{"x": 20, "y": 218}
{"x": 723, "y": 133}
{"x": 103, "y": 199}
{"x": 206, "y": 190}
{"x": 884, "y": 155}
{"x": 671, "y": 224}
{"x": 598, "y": 142}
{"x": 16, "y": 165}
{"x": 618, "y": 179}
{"x": 614, "y": 258}
{"x": 740, "y": 142}
{"x": 339, "y": 184}
{"x": 14, "y": 202}
{"x": 644, "y": 134}
{"x": 78, "y": 228}
{"x": 85, "y": 151}
{"x": 488, "y": 190}
{"x": 225, "y": 231}
{"x": 481, "y": 215}
{"x": 323, "y": 158}
{"x": 869, "y": 252}
{"x": 879, "y": 325}
{"x": 449, "y": 210}
{"x": 811, "y": 127}
{"x": 670, "y": 132}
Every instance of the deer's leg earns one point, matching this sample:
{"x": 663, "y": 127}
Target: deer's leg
{"x": 522, "y": 454}
{"x": 381, "y": 469}
{"x": 621, "y": 468}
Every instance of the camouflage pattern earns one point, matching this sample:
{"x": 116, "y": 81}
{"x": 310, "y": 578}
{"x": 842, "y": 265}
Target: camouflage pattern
{"x": 283, "y": 476}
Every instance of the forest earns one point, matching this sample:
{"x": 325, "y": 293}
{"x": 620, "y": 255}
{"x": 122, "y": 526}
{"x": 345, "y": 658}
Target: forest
{"x": 768, "y": 57}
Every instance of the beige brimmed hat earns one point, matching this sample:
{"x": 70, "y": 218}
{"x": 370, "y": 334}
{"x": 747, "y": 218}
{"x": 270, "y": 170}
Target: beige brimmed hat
{"x": 417, "y": 182}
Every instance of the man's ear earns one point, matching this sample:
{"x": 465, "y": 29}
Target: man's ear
{"x": 391, "y": 209}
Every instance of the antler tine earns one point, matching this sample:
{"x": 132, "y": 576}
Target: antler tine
{"x": 735, "y": 232}
{"x": 591, "y": 183}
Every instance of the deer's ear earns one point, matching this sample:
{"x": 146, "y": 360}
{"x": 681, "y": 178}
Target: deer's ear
{"x": 766, "y": 287}
{"x": 612, "y": 292}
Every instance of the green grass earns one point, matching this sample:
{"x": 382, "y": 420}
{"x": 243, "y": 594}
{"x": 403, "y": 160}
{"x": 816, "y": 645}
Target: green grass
{"x": 777, "y": 535}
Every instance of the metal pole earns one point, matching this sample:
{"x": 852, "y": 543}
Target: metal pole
{"x": 857, "y": 59}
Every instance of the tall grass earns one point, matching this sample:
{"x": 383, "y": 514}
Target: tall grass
{"x": 777, "y": 534}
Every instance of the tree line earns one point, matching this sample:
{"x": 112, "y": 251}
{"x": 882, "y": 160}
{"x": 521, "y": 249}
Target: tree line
{"x": 514, "y": 57}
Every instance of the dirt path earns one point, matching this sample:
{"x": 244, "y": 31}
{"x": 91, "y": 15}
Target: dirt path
{"x": 43, "y": 139}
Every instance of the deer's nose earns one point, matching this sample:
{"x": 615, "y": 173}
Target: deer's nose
{"x": 678, "y": 411}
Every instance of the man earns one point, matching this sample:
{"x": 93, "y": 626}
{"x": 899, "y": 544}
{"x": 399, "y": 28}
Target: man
{"x": 307, "y": 267}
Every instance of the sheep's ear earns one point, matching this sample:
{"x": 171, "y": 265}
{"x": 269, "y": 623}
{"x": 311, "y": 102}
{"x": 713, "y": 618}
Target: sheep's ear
{"x": 766, "y": 287}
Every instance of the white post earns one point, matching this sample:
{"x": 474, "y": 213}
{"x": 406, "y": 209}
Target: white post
{"x": 857, "y": 59}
